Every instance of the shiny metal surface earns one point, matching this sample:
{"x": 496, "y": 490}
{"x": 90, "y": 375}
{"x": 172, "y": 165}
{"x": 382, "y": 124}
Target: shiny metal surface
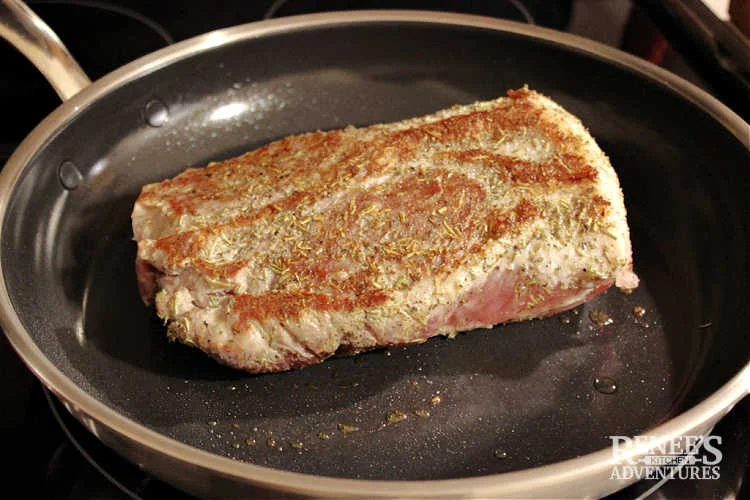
{"x": 208, "y": 474}
{"x": 34, "y": 39}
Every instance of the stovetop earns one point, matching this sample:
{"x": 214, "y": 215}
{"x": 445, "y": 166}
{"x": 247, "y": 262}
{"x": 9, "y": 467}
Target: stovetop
{"x": 52, "y": 455}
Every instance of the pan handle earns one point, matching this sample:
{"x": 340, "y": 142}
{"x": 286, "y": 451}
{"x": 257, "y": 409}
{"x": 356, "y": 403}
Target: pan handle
{"x": 20, "y": 26}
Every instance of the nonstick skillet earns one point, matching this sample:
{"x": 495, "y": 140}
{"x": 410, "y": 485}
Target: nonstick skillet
{"x": 520, "y": 410}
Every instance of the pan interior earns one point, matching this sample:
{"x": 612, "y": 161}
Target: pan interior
{"x": 489, "y": 401}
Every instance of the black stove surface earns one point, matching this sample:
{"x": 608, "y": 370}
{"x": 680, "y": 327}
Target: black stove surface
{"x": 53, "y": 456}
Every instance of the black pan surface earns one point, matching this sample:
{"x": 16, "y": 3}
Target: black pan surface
{"x": 485, "y": 402}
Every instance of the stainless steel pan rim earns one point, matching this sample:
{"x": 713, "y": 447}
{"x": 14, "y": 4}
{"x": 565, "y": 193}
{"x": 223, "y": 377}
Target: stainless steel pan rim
{"x": 549, "y": 478}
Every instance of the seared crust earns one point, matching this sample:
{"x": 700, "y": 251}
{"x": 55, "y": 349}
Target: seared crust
{"x": 345, "y": 223}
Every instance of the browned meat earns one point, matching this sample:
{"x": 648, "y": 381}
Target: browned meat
{"x": 390, "y": 234}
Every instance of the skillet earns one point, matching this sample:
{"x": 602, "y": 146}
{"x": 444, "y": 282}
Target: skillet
{"x": 522, "y": 410}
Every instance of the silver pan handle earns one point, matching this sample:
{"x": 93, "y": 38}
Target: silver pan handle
{"x": 34, "y": 39}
